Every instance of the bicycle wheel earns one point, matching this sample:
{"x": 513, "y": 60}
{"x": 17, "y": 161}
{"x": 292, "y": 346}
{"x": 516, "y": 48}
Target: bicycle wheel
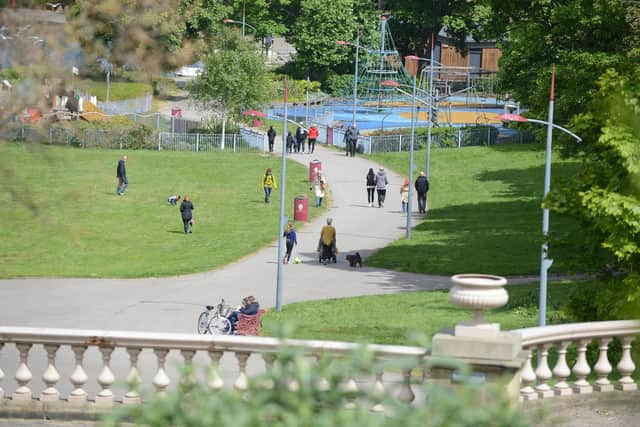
{"x": 203, "y": 323}
{"x": 219, "y": 326}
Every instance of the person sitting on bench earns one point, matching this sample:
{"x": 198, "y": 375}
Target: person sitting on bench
{"x": 249, "y": 307}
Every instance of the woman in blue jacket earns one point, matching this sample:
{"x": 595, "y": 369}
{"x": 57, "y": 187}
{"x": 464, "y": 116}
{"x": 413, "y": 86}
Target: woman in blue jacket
{"x": 291, "y": 241}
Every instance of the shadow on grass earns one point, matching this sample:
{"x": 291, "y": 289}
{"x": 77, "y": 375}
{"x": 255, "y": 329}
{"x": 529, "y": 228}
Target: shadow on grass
{"x": 499, "y": 237}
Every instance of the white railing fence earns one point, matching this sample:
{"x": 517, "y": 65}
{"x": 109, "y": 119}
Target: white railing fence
{"x": 247, "y": 140}
{"x": 79, "y": 366}
{"x": 571, "y": 341}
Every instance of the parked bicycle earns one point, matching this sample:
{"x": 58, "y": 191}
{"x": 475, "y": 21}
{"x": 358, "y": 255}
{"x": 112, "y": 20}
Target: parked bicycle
{"x": 214, "y": 320}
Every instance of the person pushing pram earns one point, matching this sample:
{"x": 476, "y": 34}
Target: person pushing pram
{"x": 327, "y": 244}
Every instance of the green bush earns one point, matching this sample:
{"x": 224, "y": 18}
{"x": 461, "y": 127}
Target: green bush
{"x": 339, "y": 85}
{"x": 288, "y": 395}
{"x": 137, "y": 137}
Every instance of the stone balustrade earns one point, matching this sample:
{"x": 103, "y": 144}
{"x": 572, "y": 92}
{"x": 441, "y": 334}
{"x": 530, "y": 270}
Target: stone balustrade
{"x": 82, "y": 371}
{"x": 544, "y": 382}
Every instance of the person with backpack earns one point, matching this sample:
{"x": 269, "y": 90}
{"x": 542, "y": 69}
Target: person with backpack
{"x": 268, "y": 183}
{"x": 422, "y": 187}
{"x": 371, "y": 186}
{"x": 301, "y": 136}
{"x": 353, "y": 135}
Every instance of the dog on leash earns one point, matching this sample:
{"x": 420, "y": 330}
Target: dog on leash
{"x": 354, "y": 260}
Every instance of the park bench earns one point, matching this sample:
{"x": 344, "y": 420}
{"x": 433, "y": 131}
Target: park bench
{"x": 249, "y": 324}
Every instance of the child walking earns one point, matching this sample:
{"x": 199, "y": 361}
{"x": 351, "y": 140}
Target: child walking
{"x": 291, "y": 241}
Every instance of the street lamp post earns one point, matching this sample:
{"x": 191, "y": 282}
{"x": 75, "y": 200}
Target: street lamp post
{"x": 393, "y": 83}
{"x": 283, "y": 177}
{"x": 545, "y": 262}
{"x": 355, "y": 73}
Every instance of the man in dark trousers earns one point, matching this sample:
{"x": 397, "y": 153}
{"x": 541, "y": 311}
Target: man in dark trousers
{"x": 301, "y": 135}
{"x": 352, "y": 139}
{"x": 271, "y": 134}
{"x": 186, "y": 212}
{"x": 422, "y": 186}
{"x": 121, "y": 174}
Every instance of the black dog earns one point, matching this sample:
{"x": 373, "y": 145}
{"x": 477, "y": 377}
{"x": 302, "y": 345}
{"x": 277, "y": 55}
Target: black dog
{"x": 354, "y": 260}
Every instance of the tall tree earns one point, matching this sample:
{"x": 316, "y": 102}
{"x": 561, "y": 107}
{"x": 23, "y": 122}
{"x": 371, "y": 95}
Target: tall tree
{"x": 414, "y": 21}
{"x": 234, "y": 79}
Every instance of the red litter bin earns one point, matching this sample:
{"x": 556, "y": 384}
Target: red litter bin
{"x": 176, "y": 112}
{"x": 301, "y": 208}
{"x": 315, "y": 167}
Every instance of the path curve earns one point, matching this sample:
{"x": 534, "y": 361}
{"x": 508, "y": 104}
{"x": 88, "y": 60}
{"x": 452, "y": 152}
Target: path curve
{"x": 170, "y": 304}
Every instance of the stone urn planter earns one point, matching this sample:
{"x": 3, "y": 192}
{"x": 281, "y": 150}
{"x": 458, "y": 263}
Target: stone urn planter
{"x": 478, "y": 292}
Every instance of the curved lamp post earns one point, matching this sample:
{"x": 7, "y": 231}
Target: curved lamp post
{"x": 545, "y": 262}
{"x": 355, "y": 73}
{"x": 395, "y": 84}
{"x": 243, "y": 23}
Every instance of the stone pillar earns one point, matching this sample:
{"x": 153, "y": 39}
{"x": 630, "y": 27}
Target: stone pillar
{"x": 493, "y": 355}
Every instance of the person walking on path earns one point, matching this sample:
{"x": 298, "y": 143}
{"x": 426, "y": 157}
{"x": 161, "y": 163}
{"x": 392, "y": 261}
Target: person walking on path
{"x": 352, "y": 139}
{"x": 290, "y": 142}
{"x": 313, "y": 135}
{"x": 271, "y": 134}
{"x": 301, "y": 136}
{"x": 381, "y": 186}
{"x": 290, "y": 240}
{"x": 186, "y": 211}
{"x": 422, "y": 187}
{"x": 371, "y": 186}
{"x": 319, "y": 186}
{"x": 268, "y": 183}
{"x": 404, "y": 195}
{"x": 121, "y": 174}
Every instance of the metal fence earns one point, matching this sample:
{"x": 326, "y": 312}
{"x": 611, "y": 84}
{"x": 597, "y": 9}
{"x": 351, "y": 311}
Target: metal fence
{"x": 201, "y": 142}
{"x": 246, "y": 140}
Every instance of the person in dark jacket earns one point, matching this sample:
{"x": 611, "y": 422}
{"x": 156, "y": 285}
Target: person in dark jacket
{"x": 121, "y": 174}
{"x": 371, "y": 186}
{"x": 422, "y": 187}
{"x": 290, "y": 142}
{"x": 301, "y": 136}
{"x": 353, "y": 139}
{"x": 271, "y": 134}
{"x": 249, "y": 307}
{"x": 186, "y": 210}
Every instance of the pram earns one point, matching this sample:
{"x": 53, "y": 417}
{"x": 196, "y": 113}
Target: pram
{"x": 327, "y": 253}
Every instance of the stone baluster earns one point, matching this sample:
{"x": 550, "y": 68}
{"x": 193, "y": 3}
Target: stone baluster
{"x": 50, "y": 376}
{"x": 406, "y": 394}
{"x": 603, "y": 367}
{"x": 350, "y": 387}
{"x": 161, "y": 380}
{"x": 105, "y": 379}
{"x": 23, "y": 375}
{"x": 582, "y": 370}
{"x": 78, "y": 378}
{"x": 323, "y": 383}
{"x": 188, "y": 378}
{"x": 214, "y": 380}
{"x": 625, "y": 367}
{"x": 378, "y": 393}
{"x": 132, "y": 396}
{"x": 242, "y": 383}
{"x": 528, "y": 377}
{"x": 269, "y": 359}
{"x": 561, "y": 371}
{"x": 1, "y": 375}
{"x": 543, "y": 373}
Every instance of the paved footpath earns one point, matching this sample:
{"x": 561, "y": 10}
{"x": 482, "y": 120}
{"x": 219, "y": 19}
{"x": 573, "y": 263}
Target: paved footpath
{"x": 171, "y": 304}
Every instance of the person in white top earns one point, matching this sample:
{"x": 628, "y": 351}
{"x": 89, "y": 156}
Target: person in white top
{"x": 320, "y": 185}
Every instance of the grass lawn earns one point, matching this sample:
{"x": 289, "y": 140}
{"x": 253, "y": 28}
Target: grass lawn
{"x": 117, "y": 90}
{"x": 62, "y": 216}
{"x": 484, "y": 212}
{"x": 389, "y": 319}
